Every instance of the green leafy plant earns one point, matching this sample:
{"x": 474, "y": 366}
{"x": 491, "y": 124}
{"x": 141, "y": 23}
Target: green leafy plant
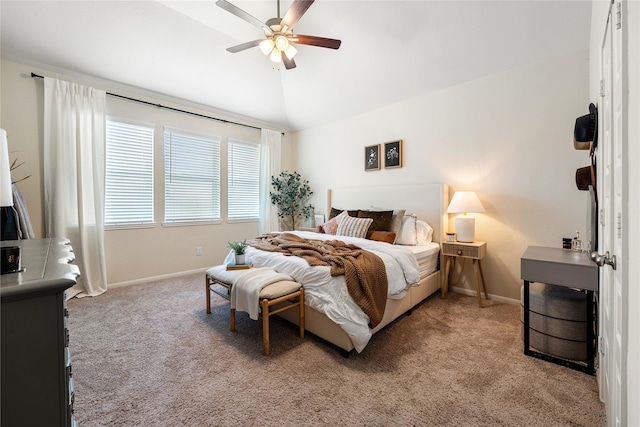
{"x": 238, "y": 247}
{"x": 291, "y": 195}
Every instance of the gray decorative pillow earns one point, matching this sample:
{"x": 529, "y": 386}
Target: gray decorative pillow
{"x": 354, "y": 227}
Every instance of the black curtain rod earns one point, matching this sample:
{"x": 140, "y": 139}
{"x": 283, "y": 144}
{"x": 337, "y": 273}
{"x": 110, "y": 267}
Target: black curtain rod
{"x": 171, "y": 108}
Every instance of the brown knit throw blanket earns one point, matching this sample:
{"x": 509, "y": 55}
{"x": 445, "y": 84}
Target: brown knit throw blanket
{"x": 364, "y": 271}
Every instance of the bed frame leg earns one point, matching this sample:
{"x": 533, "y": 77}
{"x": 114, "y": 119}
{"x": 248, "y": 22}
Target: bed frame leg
{"x": 344, "y": 353}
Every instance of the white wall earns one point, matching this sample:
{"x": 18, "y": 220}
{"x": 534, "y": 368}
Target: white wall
{"x": 508, "y": 137}
{"x": 132, "y": 254}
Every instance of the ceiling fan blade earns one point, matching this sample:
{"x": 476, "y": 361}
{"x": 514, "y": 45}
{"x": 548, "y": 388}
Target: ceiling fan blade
{"x": 242, "y": 14}
{"x": 295, "y": 12}
{"x": 318, "y": 41}
{"x": 288, "y": 63}
{"x": 243, "y": 46}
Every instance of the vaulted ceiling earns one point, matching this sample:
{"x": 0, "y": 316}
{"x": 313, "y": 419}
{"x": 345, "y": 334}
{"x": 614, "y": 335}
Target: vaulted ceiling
{"x": 391, "y": 50}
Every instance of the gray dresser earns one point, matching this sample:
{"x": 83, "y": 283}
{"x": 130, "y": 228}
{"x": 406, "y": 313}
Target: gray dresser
{"x": 36, "y": 377}
{"x": 558, "y": 267}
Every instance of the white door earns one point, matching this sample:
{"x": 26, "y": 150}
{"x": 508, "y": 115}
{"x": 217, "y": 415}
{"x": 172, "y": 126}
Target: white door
{"x": 611, "y": 170}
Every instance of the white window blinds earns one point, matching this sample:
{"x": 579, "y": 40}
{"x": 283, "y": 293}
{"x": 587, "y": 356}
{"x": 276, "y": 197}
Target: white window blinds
{"x": 129, "y": 174}
{"x": 243, "y": 180}
{"x": 192, "y": 177}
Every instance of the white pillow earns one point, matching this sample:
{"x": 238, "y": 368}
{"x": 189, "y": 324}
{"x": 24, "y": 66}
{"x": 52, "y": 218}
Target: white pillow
{"x": 408, "y": 231}
{"x": 424, "y": 232}
{"x": 354, "y": 227}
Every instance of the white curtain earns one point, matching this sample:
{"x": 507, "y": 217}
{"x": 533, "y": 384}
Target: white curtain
{"x": 74, "y": 163}
{"x": 270, "y": 165}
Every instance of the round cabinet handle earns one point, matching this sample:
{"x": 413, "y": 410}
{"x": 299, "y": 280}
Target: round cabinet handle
{"x": 459, "y": 251}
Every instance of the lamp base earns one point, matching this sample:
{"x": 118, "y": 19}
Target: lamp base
{"x": 466, "y": 229}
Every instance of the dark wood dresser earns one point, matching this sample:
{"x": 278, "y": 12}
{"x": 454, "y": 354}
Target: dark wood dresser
{"x": 36, "y": 376}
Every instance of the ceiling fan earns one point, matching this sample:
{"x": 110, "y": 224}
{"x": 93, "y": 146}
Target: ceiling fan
{"x": 278, "y": 32}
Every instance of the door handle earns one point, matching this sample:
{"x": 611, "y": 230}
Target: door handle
{"x": 602, "y": 260}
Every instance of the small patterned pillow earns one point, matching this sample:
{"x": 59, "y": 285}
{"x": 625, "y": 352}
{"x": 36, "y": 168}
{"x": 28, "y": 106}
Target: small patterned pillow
{"x": 354, "y": 227}
{"x": 331, "y": 226}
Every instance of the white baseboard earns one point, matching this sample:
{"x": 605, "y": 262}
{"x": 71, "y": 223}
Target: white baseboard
{"x": 155, "y": 278}
{"x": 456, "y": 289}
{"x": 492, "y": 297}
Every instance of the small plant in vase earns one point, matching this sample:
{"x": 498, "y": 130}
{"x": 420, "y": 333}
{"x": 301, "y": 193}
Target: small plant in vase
{"x": 239, "y": 248}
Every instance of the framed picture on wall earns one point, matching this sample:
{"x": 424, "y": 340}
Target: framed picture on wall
{"x": 393, "y": 154}
{"x": 372, "y": 157}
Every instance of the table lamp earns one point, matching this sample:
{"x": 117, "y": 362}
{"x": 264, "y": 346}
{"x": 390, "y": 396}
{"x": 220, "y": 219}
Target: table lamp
{"x": 464, "y": 202}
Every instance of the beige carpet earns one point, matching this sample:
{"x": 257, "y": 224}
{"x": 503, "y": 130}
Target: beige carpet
{"x": 149, "y": 355}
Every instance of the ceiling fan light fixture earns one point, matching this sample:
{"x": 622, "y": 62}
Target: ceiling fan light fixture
{"x": 266, "y": 46}
{"x": 278, "y": 33}
{"x": 281, "y": 42}
{"x": 276, "y": 55}
{"x": 291, "y": 51}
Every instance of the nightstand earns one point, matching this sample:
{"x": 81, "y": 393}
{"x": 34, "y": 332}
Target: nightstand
{"x": 474, "y": 251}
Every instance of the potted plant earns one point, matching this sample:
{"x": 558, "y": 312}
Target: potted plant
{"x": 291, "y": 195}
{"x": 239, "y": 248}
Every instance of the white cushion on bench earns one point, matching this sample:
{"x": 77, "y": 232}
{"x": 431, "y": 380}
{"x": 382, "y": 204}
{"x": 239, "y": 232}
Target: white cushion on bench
{"x": 220, "y": 272}
{"x": 279, "y": 289}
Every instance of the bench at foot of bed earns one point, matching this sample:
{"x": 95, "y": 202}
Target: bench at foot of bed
{"x": 274, "y": 298}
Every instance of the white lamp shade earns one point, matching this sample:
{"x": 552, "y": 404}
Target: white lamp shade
{"x": 291, "y": 51}
{"x": 266, "y": 46}
{"x": 465, "y": 201}
{"x": 276, "y": 55}
{"x": 6, "y": 194}
{"x": 281, "y": 43}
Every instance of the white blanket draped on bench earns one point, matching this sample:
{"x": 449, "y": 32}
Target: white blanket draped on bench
{"x": 246, "y": 286}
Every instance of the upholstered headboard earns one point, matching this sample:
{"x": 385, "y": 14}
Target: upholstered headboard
{"x": 428, "y": 201}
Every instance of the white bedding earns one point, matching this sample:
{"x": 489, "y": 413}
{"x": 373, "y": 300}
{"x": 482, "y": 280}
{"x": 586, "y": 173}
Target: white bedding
{"x": 329, "y": 295}
{"x": 427, "y": 256}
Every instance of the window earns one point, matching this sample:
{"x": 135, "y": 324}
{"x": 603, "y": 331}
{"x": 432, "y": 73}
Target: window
{"x": 129, "y": 174}
{"x": 243, "y": 180}
{"x": 191, "y": 177}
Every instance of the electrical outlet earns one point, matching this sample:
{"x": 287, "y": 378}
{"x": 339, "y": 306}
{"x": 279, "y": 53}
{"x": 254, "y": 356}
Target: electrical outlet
{"x": 198, "y": 251}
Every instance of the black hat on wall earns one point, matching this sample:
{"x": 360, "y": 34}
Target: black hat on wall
{"x": 585, "y": 133}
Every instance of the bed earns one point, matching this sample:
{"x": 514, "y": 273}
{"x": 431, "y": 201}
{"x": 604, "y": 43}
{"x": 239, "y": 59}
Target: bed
{"x": 413, "y": 271}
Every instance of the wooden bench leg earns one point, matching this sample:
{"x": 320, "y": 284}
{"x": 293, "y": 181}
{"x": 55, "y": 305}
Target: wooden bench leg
{"x": 232, "y": 319}
{"x": 301, "y": 301}
{"x": 265, "y": 326}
